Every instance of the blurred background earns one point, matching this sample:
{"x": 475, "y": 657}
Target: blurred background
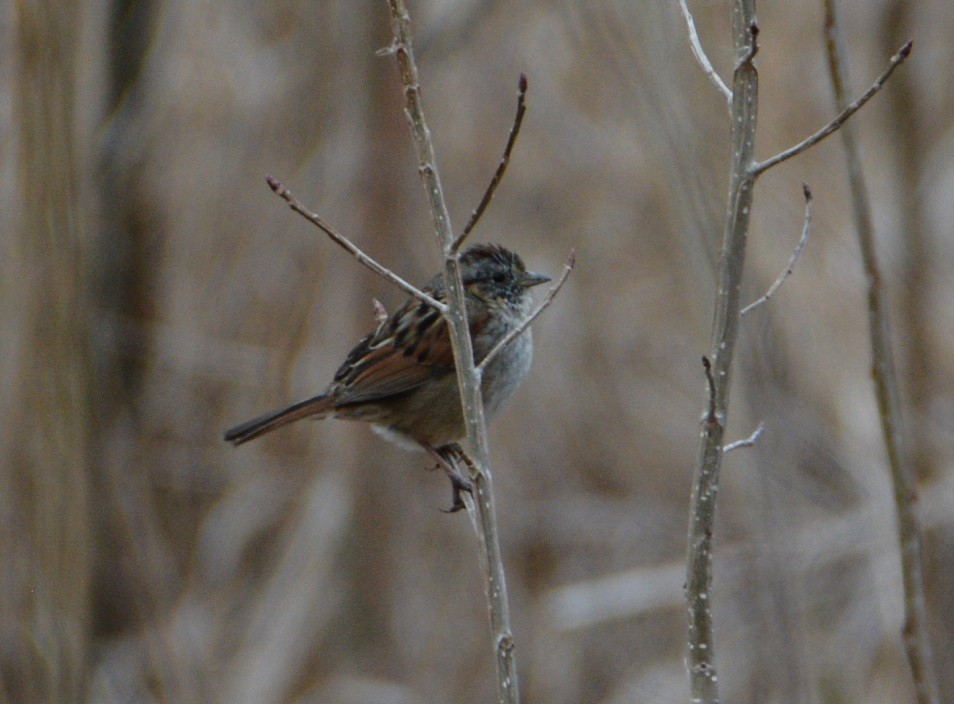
{"x": 154, "y": 292}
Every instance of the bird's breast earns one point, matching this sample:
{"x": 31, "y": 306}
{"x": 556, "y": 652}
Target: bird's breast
{"x": 506, "y": 372}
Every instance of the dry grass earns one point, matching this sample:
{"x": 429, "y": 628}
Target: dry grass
{"x": 314, "y": 566}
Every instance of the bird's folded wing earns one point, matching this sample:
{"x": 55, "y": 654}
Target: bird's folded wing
{"x": 395, "y": 359}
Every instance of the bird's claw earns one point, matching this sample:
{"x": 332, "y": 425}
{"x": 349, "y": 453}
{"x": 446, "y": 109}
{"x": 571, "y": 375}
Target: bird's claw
{"x": 458, "y": 485}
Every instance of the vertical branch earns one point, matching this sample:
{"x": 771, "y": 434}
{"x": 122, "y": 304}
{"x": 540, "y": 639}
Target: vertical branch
{"x": 468, "y": 376}
{"x": 916, "y": 315}
{"x": 427, "y": 165}
{"x": 700, "y": 657}
{"x": 915, "y": 633}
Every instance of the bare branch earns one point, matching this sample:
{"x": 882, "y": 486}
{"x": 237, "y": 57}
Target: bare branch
{"x": 346, "y": 244}
{"x": 508, "y": 691}
{"x": 842, "y": 117}
{"x": 915, "y": 634}
{"x": 746, "y": 442}
{"x": 522, "y": 328}
{"x": 700, "y": 54}
{"x": 744, "y": 170}
{"x": 700, "y": 636}
{"x": 501, "y": 167}
{"x": 802, "y": 241}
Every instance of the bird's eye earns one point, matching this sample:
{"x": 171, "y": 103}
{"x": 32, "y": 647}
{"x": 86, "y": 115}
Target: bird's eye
{"x": 498, "y": 278}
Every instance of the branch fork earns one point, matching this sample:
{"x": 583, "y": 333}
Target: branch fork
{"x": 480, "y": 502}
{"x": 745, "y": 169}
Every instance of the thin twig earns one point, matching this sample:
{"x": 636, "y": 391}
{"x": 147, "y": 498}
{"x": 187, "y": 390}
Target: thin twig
{"x": 915, "y": 633}
{"x": 468, "y": 379}
{"x": 700, "y": 54}
{"x": 842, "y": 117}
{"x": 746, "y": 442}
{"x": 802, "y": 241}
{"x": 380, "y": 312}
{"x": 501, "y": 167}
{"x": 346, "y": 244}
{"x": 522, "y": 328}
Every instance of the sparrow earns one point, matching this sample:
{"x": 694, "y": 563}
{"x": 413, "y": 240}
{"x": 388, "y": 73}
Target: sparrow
{"x": 401, "y": 377}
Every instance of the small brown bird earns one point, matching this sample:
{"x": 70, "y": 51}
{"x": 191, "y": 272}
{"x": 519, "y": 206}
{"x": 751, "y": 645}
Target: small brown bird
{"x": 401, "y": 377}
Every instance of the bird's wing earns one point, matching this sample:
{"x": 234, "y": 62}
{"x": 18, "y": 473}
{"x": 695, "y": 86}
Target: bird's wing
{"x": 408, "y": 350}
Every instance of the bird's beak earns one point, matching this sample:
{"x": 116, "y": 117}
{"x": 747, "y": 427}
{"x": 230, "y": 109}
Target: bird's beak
{"x": 532, "y": 278}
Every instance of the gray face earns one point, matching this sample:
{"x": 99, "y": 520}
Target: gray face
{"x": 496, "y": 275}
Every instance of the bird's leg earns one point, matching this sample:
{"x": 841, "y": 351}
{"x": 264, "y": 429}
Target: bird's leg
{"x": 447, "y": 457}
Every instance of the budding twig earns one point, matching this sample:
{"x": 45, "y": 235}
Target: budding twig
{"x": 711, "y": 416}
{"x": 501, "y": 167}
{"x": 840, "y": 119}
{"x": 352, "y": 249}
{"x": 802, "y": 241}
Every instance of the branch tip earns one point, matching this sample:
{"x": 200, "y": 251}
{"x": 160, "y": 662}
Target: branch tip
{"x": 388, "y": 50}
{"x": 501, "y": 166}
{"x": 839, "y": 120}
{"x": 700, "y": 53}
{"x": 380, "y": 312}
{"x": 754, "y": 44}
{"x": 710, "y": 379}
{"x": 315, "y": 219}
{"x": 796, "y": 253}
{"x": 746, "y": 442}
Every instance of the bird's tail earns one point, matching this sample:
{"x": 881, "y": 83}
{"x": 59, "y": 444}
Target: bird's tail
{"x": 251, "y": 429}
